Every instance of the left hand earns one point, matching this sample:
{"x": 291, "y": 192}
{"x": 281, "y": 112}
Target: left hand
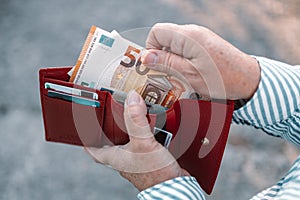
{"x": 142, "y": 161}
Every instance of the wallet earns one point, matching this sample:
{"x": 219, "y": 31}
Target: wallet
{"x": 200, "y": 128}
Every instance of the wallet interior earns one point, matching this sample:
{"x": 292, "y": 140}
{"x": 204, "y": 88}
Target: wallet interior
{"x": 200, "y": 128}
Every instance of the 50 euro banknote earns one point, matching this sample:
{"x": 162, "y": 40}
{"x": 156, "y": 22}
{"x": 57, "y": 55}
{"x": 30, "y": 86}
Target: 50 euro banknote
{"x": 108, "y": 60}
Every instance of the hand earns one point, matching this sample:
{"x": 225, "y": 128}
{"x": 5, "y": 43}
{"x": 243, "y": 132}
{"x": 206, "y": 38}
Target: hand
{"x": 142, "y": 161}
{"x": 213, "y": 67}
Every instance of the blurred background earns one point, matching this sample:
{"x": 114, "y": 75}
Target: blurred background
{"x": 40, "y": 33}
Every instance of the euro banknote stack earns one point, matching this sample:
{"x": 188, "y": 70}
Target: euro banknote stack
{"x": 109, "y": 61}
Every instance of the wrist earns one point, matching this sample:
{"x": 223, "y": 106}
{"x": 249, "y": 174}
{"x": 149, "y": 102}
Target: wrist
{"x": 240, "y": 71}
{"x": 251, "y": 78}
{"x": 242, "y": 79}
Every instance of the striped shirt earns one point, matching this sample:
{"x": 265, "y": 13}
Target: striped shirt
{"x": 275, "y": 109}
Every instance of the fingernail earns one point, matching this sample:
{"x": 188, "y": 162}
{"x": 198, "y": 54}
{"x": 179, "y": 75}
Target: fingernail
{"x": 150, "y": 58}
{"x": 133, "y": 98}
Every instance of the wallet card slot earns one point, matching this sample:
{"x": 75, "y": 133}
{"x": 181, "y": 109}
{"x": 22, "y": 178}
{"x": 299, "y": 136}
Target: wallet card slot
{"x": 68, "y": 84}
{"x": 72, "y": 123}
{"x": 73, "y": 98}
{"x": 101, "y": 94}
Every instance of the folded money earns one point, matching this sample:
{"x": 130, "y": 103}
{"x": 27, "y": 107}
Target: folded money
{"x": 108, "y": 60}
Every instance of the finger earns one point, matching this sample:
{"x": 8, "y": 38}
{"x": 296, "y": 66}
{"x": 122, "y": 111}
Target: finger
{"x": 168, "y": 62}
{"x": 161, "y": 35}
{"x": 116, "y": 157}
{"x": 204, "y": 77}
{"x": 135, "y": 117}
{"x": 122, "y": 159}
{"x": 178, "y": 39}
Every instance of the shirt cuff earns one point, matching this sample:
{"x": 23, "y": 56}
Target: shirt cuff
{"x": 276, "y": 98}
{"x": 183, "y": 188}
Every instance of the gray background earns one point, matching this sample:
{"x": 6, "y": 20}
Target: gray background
{"x": 39, "y": 33}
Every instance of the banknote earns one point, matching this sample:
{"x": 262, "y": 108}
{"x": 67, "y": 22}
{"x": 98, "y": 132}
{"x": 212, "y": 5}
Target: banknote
{"x": 85, "y": 71}
{"x": 108, "y": 60}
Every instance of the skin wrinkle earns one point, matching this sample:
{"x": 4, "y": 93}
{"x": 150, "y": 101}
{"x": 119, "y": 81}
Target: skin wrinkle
{"x": 149, "y": 43}
{"x": 121, "y": 157}
{"x": 211, "y": 67}
{"x": 142, "y": 155}
{"x": 206, "y": 44}
{"x": 177, "y": 45}
{"x": 161, "y": 175}
{"x": 133, "y": 121}
{"x": 235, "y": 56}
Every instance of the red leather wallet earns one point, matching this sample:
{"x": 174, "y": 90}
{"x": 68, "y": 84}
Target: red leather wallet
{"x": 200, "y": 128}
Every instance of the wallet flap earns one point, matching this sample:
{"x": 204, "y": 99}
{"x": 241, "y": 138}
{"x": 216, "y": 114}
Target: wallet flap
{"x": 200, "y": 128}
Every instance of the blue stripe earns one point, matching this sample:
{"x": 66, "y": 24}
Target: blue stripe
{"x": 246, "y": 112}
{"x": 294, "y": 82}
{"x": 169, "y": 186}
{"x": 295, "y": 134}
{"x": 282, "y": 130}
{"x": 297, "y": 161}
{"x": 269, "y": 102}
{"x": 254, "y": 111}
{"x": 196, "y": 186}
{"x": 292, "y": 172}
{"x": 290, "y": 178}
{"x": 237, "y": 117}
{"x": 291, "y": 135}
{"x": 271, "y": 132}
{"x": 274, "y": 90}
{"x": 275, "y": 189}
{"x": 274, "y": 130}
{"x": 290, "y": 195}
{"x": 293, "y": 76}
{"x": 151, "y": 196}
{"x": 276, "y": 68}
{"x": 271, "y": 195}
{"x": 166, "y": 194}
{"x": 276, "y": 94}
{"x": 278, "y": 188}
{"x": 178, "y": 190}
{"x": 192, "y": 190}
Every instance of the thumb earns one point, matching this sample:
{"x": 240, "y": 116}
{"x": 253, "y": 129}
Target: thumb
{"x": 143, "y": 153}
{"x": 135, "y": 117}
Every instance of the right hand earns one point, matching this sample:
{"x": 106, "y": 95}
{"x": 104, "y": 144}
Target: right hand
{"x": 213, "y": 67}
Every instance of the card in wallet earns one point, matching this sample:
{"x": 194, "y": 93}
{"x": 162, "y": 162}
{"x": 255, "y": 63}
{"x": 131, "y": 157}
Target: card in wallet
{"x": 200, "y": 128}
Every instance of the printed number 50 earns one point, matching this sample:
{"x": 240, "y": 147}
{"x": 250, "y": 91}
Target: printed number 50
{"x": 133, "y": 58}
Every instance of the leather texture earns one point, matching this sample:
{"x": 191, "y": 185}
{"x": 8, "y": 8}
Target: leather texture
{"x": 200, "y": 128}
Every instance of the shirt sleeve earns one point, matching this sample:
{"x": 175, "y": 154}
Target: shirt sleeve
{"x": 183, "y": 188}
{"x": 275, "y": 106}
